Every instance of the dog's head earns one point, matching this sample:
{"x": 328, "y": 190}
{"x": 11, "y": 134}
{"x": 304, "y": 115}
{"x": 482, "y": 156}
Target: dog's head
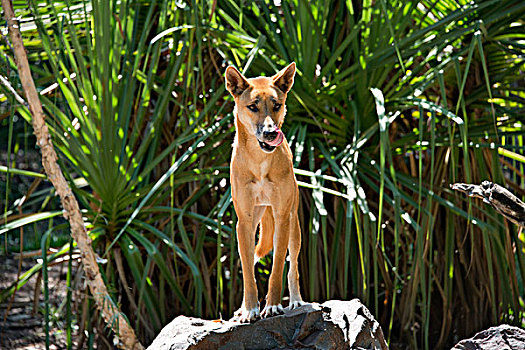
{"x": 260, "y": 103}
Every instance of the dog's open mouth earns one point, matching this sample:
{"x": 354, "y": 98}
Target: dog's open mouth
{"x": 269, "y": 146}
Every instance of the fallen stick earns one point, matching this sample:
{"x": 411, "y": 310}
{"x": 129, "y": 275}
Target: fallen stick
{"x": 501, "y": 199}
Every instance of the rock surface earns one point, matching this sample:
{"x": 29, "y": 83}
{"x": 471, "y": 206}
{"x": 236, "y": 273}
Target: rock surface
{"x": 333, "y": 325}
{"x": 503, "y": 337}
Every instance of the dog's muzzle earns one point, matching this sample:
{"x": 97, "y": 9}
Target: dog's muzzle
{"x": 269, "y": 140}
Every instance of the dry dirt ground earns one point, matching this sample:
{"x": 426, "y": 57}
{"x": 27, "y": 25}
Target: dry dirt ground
{"x": 22, "y": 327}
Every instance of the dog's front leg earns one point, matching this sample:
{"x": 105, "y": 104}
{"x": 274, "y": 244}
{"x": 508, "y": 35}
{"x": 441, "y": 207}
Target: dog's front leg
{"x": 294, "y": 246}
{"x": 280, "y": 246}
{"x": 246, "y": 227}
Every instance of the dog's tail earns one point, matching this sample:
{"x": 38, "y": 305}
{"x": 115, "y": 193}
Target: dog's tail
{"x": 266, "y": 229}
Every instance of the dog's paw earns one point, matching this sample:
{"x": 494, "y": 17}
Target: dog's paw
{"x": 272, "y": 310}
{"x": 296, "y": 304}
{"x": 246, "y": 316}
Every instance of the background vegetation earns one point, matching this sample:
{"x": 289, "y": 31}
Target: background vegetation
{"x": 393, "y": 101}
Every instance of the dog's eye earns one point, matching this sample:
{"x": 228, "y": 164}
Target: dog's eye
{"x": 277, "y": 107}
{"x": 253, "y": 107}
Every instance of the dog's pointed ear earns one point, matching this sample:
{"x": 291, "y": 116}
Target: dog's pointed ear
{"x": 236, "y": 83}
{"x": 284, "y": 79}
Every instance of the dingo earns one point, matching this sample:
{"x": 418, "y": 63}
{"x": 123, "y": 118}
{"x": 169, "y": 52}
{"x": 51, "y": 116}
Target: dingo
{"x": 264, "y": 189}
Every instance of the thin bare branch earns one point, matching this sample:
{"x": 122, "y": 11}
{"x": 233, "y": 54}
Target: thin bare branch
{"x": 8, "y": 85}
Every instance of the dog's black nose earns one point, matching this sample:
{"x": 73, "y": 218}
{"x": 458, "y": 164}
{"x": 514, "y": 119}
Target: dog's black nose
{"x": 269, "y": 135}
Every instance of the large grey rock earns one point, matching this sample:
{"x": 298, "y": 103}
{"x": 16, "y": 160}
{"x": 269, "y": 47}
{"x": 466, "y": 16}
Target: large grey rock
{"x": 333, "y": 325}
{"x": 503, "y": 337}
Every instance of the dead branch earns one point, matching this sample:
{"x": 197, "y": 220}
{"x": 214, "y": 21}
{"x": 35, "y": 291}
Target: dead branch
{"x": 501, "y": 199}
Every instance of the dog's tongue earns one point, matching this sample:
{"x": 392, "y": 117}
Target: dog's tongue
{"x": 278, "y": 140}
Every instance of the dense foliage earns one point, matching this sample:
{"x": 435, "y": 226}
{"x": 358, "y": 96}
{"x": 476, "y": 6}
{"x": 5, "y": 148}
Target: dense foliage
{"x": 393, "y": 101}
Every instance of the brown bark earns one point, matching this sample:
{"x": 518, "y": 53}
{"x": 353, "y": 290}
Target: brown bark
{"x": 110, "y": 311}
{"x": 498, "y": 197}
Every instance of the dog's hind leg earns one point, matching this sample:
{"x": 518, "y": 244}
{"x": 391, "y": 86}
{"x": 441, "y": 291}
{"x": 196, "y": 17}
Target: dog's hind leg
{"x": 266, "y": 230}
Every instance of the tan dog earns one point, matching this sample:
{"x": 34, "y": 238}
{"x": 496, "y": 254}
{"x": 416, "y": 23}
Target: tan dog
{"x": 264, "y": 189}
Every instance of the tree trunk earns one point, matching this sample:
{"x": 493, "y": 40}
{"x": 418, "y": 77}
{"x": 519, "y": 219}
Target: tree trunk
{"x": 110, "y": 311}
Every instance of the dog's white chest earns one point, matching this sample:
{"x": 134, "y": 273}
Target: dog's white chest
{"x": 262, "y": 190}
{"x": 263, "y": 187}
{"x": 265, "y": 167}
